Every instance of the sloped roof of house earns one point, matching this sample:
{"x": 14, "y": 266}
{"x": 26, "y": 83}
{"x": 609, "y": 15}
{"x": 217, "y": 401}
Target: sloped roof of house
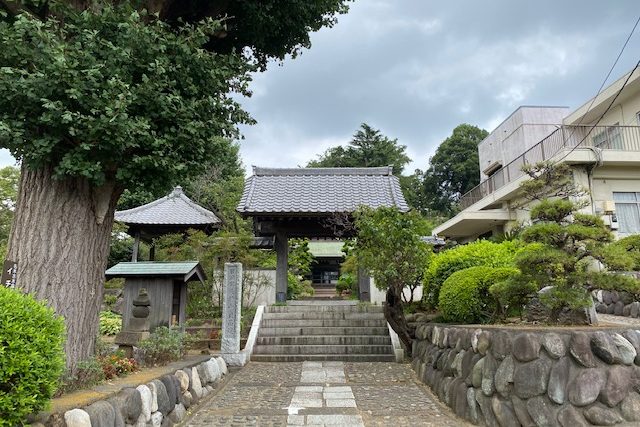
{"x": 174, "y": 209}
{"x": 319, "y": 190}
{"x": 187, "y": 270}
{"x": 326, "y": 249}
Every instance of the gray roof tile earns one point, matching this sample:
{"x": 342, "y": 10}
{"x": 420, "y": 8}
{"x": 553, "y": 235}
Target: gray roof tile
{"x": 320, "y": 190}
{"x": 174, "y": 209}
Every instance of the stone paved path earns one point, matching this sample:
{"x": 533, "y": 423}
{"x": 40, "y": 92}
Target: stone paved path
{"x": 324, "y": 394}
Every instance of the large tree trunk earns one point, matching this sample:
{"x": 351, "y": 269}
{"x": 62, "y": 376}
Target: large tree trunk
{"x": 394, "y": 314}
{"x": 60, "y": 240}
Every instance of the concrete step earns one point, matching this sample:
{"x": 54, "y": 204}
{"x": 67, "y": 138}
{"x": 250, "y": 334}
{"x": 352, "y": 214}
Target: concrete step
{"x": 323, "y": 330}
{"x": 329, "y": 315}
{"x": 280, "y": 323}
{"x": 324, "y": 308}
{"x": 326, "y": 340}
{"x": 323, "y": 349}
{"x": 323, "y": 357}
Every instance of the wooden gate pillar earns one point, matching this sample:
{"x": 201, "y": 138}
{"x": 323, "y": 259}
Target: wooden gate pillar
{"x": 282, "y": 265}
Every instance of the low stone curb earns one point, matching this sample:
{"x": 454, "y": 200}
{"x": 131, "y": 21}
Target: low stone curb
{"x": 164, "y": 401}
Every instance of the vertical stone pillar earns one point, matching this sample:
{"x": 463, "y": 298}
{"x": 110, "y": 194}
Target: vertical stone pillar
{"x": 364, "y": 285}
{"x": 231, "y": 311}
{"x": 282, "y": 266}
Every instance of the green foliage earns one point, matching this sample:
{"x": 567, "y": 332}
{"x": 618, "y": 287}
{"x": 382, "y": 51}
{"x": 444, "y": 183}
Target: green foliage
{"x": 550, "y": 180}
{"x": 367, "y": 148}
{"x": 465, "y": 297}
{"x": 300, "y": 260}
{"x": 110, "y": 323}
{"x": 115, "y": 96}
{"x": 629, "y": 246}
{"x": 479, "y": 253}
{"x": 121, "y": 247}
{"x": 453, "y": 170}
{"x": 389, "y": 245}
{"x": 569, "y": 245}
{"x": 87, "y": 374}
{"x": 9, "y": 179}
{"x": 164, "y": 345}
{"x": 347, "y": 282}
{"x": 31, "y": 355}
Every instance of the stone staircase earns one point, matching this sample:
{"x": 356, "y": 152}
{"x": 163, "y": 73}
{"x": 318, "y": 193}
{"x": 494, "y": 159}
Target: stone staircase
{"x": 323, "y": 331}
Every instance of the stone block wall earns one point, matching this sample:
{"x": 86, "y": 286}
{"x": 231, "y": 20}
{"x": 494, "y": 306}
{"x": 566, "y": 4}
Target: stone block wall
{"x": 546, "y": 377}
{"x": 162, "y": 402}
{"x": 616, "y": 303}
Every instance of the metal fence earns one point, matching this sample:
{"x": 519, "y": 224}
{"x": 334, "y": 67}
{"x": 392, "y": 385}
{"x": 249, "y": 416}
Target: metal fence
{"x": 622, "y": 138}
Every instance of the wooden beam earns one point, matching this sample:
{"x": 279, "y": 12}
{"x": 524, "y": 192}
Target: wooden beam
{"x": 136, "y": 247}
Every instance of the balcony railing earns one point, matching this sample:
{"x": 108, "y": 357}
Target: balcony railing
{"x": 623, "y": 138}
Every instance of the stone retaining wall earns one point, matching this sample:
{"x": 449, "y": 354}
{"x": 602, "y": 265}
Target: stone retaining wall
{"x": 162, "y": 402}
{"x": 512, "y": 377}
{"x": 616, "y": 303}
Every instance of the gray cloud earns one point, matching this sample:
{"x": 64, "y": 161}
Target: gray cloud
{"x": 416, "y": 69}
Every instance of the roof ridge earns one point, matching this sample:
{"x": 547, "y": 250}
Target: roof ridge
{"x": 196, "y": 206}
{"x": 332, "y": 171}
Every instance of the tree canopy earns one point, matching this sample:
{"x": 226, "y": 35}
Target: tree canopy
{"x": 453, "y": 169}
{"x": 368, "y": 147}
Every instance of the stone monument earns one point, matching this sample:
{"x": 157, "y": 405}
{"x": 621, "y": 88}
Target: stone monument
{"x": 231, "y": 311}
{"x": 138, "y": 328}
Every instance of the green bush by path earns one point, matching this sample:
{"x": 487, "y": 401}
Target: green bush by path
{"x": 465, "y": 298}
{"x": 479, "y": 253}
{"x": 31, "y": 355}
{"x": 110, "y": 323}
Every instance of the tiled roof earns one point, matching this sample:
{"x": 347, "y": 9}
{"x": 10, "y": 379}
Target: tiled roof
{"x": 320, "y": 190}
{"x": 156, "y": 269}
{"x": 174, "y": 209}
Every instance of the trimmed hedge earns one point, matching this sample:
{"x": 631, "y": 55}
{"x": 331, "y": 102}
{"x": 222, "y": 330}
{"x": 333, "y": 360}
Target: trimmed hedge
{"x": 465, "y": 298}
{"x": 31, "y": 355}
{"x": 479, "y": 253}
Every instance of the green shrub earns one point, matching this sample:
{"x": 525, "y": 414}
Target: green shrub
{"x": 110, "y": 323}
{"x": 347, "y": 282}
{"x": 479, "y": 253}
{"x": 31, "y": 355}
{"x": 164, "y": 345}
{"x": 465, "y": 298}
{"x": 631, "y": 245}
{"x": 88, "y": 373}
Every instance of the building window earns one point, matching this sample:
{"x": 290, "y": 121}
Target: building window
{"x": 628, "y": 212}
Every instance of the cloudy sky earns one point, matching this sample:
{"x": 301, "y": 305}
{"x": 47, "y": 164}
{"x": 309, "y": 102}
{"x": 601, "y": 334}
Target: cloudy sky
{"x": 417, "y": 68}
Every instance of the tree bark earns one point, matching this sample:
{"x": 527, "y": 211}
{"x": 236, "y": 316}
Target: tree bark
{"x": 60, "y": 240}
{"x": 394, "y": 314}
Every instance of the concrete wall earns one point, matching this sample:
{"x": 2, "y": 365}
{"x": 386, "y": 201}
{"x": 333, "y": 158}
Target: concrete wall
{"x": 379, "y": 297}
{"x": 524, "y": 128}
{"x": 552, "y": 376}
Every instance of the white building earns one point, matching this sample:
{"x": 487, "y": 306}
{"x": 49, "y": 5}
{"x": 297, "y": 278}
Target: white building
{"x": 605, "y": 159}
